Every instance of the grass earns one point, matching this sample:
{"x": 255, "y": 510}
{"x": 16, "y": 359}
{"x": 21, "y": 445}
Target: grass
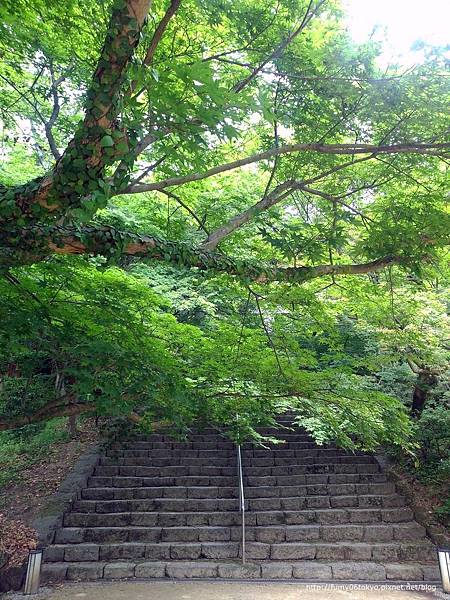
{"x": 24, "y": 447}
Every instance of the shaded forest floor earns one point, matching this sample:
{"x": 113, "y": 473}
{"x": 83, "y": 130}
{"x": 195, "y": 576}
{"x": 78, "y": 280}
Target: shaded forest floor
{"x": 29, "y": 476}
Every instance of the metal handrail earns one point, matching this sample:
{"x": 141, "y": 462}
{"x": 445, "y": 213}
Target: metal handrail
{"x": 241, "y": 499}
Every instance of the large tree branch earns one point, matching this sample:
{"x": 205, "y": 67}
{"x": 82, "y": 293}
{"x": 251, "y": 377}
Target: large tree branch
{"x": 280, "y": 192}
{"x": 50, "y": 411}
{"x": 46, "y": 413}
{"x": 277, "y": 195}
{"x": 434, "y": 149}
{"x": 109, "y": 242}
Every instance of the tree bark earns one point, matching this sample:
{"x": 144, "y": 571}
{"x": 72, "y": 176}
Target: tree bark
{"x": 426, "y": 379}
{"x": 55, "y": 192}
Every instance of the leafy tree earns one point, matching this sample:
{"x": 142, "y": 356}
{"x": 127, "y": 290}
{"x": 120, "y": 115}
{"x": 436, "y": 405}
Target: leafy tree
{"x": 263, "y": 159}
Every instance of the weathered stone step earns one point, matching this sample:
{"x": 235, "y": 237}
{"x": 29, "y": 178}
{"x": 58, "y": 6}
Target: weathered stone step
{"x": 144, "y": 498}
{"x": 120, "y": 530}
{"x": 271, "y": 491}
{"x": 342, "y": 489}
{"x": 218, "y": 446}
{"x": 248, "y": 455}
{"x": 314, "y": 467}
{"x": 264, "y": 482}
{"x": 313, "y": 479}
{"x": 165, "y": 463}
{"x": 317, "y": 570}
{"x": 307, "y": 455}
{"x": 183, "y": 504}
{"x": 272, "y": 459}
{"x": 387, "y": 551}
{"x": 190, "y": 461}
{"x": 189, "y": 481}
{"x": 84, "y": 514}
{"x": 313, "y": 512}
{"x": 192, "y": 492}
{"x": 214, "y": 471}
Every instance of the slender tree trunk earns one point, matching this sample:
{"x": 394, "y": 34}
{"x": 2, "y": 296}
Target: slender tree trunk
{"x": 72, "y": 426}
{"x": 424, "y": 383}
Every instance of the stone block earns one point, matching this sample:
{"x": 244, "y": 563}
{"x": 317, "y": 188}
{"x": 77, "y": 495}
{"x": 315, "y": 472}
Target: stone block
{"x": 69, "y": 535}
{"x": 353, "y": 571}
{"x": 85, "y": 571}
{"x": 409, "y": 531}
{"x": 270, "y": 535}
{"x": 219, "y": 551}
{"x": 310, "y": 571}
{"x": 276, "y": 571}
{"x": 118, "y": 570}
{"x": 343, "y": 501}
{"x": 214, "y": 534}
{"x": 331, "y": 517}
{"x": 303, "y": 533}
{"x": 105, "y": 534}
{"x": 193, "y": 570}
{"x": 404, "y": 572}
{"x": 53, "y": 573}
{"x": 150, "y": 570}
{"x": 378, "y": 533}
{"x": 431, "y": 573}
{"x": 236, "y": 571}
{"x": 340, "y": 533}
{"x": 292, "y": 551}
{"x": 185, "y": 551}
{"x": 397, "y": 515}
{"x": 53, "y": 554}
{"x": 81, "y": 552}
{"x": 257, "y": 551}
{"x": 129, "y": 551}
{"x": 385, "y": 552}
{"x": 295, "y": 517}
{"x": 144, "y": 519}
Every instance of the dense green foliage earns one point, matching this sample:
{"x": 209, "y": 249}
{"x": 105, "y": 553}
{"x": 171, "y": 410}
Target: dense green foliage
{"x": 354, "y": 236}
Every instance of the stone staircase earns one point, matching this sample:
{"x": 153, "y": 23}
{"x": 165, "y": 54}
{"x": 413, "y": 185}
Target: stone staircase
{"x": 158, "y": 508}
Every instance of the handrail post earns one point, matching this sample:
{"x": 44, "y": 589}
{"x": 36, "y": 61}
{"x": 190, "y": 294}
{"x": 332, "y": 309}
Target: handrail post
{"x": 241, "y": 499}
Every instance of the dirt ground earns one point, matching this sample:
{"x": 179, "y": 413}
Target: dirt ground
{"x": 200, "y": 590}
{"x": 23, "y": 500}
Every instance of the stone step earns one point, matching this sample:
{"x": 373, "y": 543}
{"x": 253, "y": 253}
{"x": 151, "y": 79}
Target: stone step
{"x": 215, "y": 471}
{"x": 84, "y": 514}
{"x": 157, "y": 506}
{"x": 330, "y": 454}
{"x": 182, "y": 505}
{"x": 146, "y": 462}
{"x": 303, "y": 570}
{"x": 341, "y": 489}
{"x": 121, "y": 530}
{"x": 192, "y": 492}
{"x": 314, "y": 467}
{"x": 189, "y": 481}
{"x": 144, "y": 497}
{"x": 218, "y": 446}
{"x": 280, "y": 451}
{"x": 388, "y": 551}
{"x": 157, "y": 463}
{"x": 313, "y": 478}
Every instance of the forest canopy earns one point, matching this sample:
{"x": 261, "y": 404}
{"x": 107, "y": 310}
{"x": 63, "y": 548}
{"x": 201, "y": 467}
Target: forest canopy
{"x": 212, "y": 208}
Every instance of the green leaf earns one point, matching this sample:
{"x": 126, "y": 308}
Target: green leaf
{"x": 106, "y": 141}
